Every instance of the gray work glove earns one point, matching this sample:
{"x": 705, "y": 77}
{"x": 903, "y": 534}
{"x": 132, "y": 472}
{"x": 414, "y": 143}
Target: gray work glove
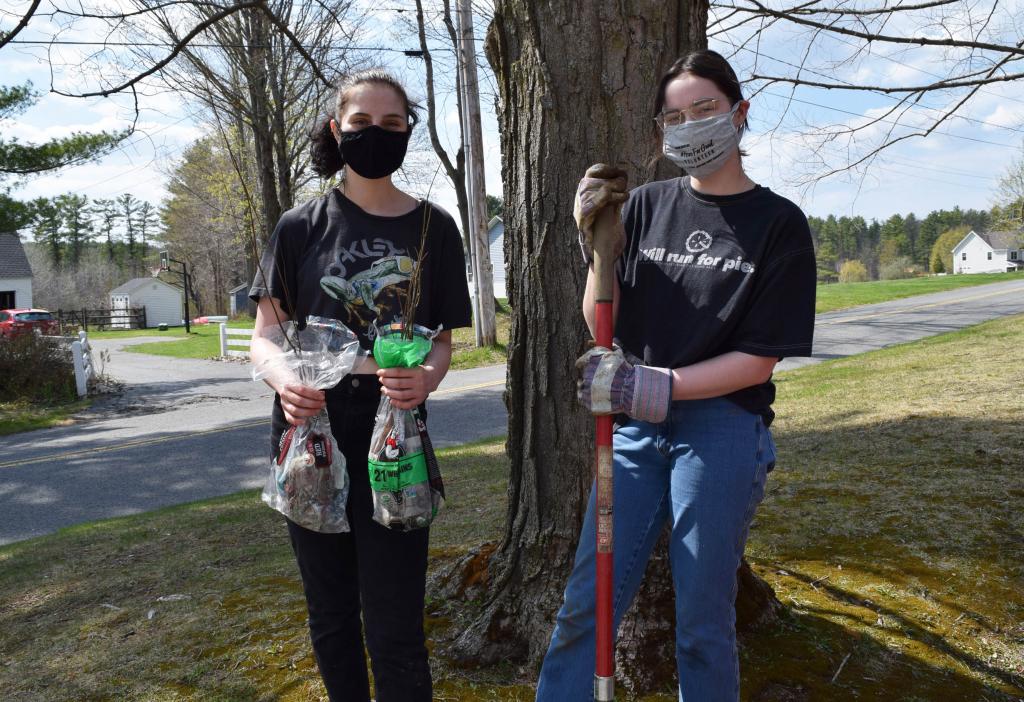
{"x": 609, "y": 384}
{"x": 602, "y": 186}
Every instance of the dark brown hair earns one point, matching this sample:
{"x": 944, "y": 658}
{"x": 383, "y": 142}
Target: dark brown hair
{"x": 706, "y": 64}
{"x": 323, "y": 147}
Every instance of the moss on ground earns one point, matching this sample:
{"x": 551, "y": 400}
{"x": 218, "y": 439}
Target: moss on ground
{"x": 891, "y": 531}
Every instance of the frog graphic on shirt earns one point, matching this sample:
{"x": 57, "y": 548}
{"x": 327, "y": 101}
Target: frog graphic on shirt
{"x": 375, "y": 291}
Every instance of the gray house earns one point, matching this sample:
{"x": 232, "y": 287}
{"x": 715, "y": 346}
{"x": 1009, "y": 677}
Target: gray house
{"x": 496, "y": 242}
{"x": 238, "y": 299}
{"x": 15, "y": 274}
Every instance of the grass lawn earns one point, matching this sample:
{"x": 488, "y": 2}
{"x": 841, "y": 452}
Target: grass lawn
{"x": 25, "y": 416}
{"x": 892, "y": 532}
{"x": 204, "y": 342}
{"x": 837, "y": 296}
{"x": 465, "y": 353}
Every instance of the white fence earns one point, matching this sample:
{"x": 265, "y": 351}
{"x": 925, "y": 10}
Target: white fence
{"x": 85, "y": 370}
{"x": 238, "y": 338}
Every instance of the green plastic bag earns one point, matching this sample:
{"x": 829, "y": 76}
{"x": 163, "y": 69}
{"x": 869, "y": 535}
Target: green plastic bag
{"x": 405, "y": 480}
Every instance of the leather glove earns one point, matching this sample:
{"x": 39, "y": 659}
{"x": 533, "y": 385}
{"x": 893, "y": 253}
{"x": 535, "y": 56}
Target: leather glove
{"x": 602, "y": 186}
{"x": 609, "y": 384}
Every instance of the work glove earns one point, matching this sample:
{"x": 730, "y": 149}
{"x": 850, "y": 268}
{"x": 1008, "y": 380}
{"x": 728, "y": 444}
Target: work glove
{"x": 602, "y": 186}
{"x": 609, "y": 384}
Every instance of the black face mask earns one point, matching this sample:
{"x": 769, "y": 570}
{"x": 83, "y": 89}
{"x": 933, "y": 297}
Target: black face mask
{"x": 374, "y": 152}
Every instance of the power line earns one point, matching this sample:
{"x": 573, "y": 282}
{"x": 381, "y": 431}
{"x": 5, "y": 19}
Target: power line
{"x": 885, "y": 95}
{"x": 888, "y": 121}
{"x": 412, "y": 53}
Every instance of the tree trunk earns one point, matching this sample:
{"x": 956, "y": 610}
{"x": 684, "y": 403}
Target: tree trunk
{"x": 577, "y": 85}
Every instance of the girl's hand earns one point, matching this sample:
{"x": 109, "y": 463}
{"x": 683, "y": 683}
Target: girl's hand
{"x": 406, "y": 387}
{"x": 300, "y": 402}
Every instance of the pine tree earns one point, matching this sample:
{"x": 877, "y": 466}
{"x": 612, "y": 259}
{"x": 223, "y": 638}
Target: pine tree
{"x": 47, "y": 230}
{"x": 108, "y": 215}
{"x": 76, "y": 224}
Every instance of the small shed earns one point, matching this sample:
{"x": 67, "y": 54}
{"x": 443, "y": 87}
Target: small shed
{"x": 496, "y": 243}
{"x": 238, "y": 299}
{"x": 15, "y": 274}
{"x": 164, "y": 303}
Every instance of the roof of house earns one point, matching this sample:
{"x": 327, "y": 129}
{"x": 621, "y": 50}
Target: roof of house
{"x": 1003, "y": 239}
{"x": 13, "y": 261}
{"x": 136, "y": 283}
{"x": 996, "y": 240}
{"x": 243, "y": 286}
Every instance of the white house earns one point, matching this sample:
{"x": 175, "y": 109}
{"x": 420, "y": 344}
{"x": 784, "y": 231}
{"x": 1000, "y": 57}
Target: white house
{"x": 992, "y": 252}
{"x": 164, "y": 303}
{"x": 15, "y": 274}
{"x": 496, "y": 242}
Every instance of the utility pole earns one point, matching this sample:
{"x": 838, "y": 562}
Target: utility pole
{"x": 480, "y": 254}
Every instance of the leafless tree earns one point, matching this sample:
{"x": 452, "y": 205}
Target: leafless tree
{"x": 961, "y": 50}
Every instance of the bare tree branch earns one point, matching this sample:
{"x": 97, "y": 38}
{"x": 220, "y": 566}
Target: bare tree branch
{"x": 178, "y": 48}
{"x": 6, "y": 38}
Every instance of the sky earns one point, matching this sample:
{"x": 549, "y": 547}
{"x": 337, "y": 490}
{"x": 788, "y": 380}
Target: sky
{"x": 957, "y": 165}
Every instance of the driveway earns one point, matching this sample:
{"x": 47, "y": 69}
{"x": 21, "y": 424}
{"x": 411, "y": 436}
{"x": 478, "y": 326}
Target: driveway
{"x": 186, "y": 429}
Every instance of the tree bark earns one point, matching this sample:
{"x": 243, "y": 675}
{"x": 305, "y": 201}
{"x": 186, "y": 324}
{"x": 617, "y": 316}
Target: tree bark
{"x": 577, "y": 85}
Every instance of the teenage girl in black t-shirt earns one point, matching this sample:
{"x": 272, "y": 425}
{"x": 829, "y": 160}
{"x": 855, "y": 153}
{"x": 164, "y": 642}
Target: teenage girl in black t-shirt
{"x": 345, "y": 255}
{"x": 714, "y": 285}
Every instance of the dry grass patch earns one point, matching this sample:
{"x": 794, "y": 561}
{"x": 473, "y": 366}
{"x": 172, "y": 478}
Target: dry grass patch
{"x": 892, "y": 532}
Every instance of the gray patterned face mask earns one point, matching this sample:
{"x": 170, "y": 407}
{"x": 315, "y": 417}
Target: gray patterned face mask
{"x": 702, "y": 147}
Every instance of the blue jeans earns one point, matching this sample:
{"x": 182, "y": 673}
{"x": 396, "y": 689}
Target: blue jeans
{"x": 703, "y": 469}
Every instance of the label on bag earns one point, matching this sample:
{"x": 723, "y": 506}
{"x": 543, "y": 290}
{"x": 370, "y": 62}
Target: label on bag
{"x": 392, "y": 476}
{"x": 319, "y": 447}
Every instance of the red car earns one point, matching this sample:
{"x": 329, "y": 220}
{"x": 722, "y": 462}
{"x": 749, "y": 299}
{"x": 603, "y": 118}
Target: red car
{"x": 14, "y": 322}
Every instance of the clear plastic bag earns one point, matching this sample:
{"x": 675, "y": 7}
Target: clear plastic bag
{"x": 308, "y": 482}
{"x": 405, "y": 480}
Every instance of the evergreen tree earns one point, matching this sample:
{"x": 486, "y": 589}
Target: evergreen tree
{"x": 47, "y": 230}
{"x": 76, "y": 223}
{"x": 108, "y": 214}
{"x": 128, "y": 207}
{"x": 894, "y": 242}
{"x": 148, "y": 224}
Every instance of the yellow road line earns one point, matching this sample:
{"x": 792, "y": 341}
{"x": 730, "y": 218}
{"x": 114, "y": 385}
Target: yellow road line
{"x": 451, "y": 391}
{"x": 182, "y": 435}
{"x": 918, "y": 307}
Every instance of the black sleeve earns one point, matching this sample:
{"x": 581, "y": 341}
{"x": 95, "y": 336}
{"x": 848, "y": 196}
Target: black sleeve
{"x": 449, "y": 298}
{"x": 779, "y": 320}
{"x": 276, "y": 274}
{"x": 629, "y": 221}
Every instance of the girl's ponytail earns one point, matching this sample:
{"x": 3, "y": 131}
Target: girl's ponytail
{"x": 323, "y": 148}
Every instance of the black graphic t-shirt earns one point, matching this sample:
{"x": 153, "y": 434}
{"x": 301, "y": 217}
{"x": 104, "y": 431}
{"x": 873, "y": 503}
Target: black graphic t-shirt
{"x": 328, "y": 257}
{"x": 703, "y": 275}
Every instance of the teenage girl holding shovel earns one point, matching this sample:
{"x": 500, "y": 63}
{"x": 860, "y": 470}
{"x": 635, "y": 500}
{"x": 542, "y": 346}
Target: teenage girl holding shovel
{"x": 714, "y": 285}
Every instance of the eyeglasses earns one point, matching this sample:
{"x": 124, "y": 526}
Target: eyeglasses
{"x": 700, "y": 109}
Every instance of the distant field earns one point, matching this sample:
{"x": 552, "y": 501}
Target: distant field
{"x": 838, "y": 296}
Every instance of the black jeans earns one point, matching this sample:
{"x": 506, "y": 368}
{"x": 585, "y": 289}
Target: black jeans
{"x": 372, "y": 570}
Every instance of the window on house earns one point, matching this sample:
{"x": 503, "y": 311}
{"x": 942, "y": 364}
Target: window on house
{"x": 6, "y": 299}
{"x": 1013, "y": 255}
{"x": 963, "y": 256}
{"x": 989, "y": 255}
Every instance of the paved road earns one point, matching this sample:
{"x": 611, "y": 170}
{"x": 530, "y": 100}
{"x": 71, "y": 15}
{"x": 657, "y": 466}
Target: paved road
{"x": 199, "y": 429}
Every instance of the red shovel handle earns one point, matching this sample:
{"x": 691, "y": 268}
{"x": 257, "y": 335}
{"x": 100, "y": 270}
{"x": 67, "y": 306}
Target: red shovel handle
{"x": 605, "y": 237}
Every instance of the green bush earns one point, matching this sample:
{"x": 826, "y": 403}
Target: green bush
{"x": 36, "y": 369}
{"x": 853, "y": 271}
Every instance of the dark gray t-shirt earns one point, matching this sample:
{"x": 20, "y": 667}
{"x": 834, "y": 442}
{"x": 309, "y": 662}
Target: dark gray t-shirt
{"x": 703, "y": 275}
{"x": 328, "y": 257}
